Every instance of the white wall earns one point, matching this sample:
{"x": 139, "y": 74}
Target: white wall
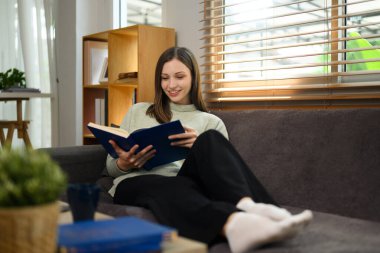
{"x": 184, "y": 16}
{"x": 77, "y": 18}
{"x": 93, "y": 16}
{"x": 66, "y": 72}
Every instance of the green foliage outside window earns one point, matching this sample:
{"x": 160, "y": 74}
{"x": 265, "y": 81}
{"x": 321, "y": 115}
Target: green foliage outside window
{"x": 357, "y": 55}
{"x": 362, "y": 55}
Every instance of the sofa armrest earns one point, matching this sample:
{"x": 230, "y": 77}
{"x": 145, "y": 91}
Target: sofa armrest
{"x": 82, "y": 164}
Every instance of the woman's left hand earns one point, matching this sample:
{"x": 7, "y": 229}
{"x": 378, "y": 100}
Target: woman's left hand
{"x": 185, "y": 139}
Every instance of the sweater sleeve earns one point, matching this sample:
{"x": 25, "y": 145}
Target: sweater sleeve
{"x": 112, "y": 168}
{"x": 221, "y": 128}
{"x": 217, "y": 124}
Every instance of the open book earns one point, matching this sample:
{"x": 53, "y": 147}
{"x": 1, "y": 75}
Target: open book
{"x": 156, "y": 136}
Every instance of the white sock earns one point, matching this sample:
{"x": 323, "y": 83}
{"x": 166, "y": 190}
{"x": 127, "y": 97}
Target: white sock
{"x": 270, "y": 211}
{"x": 248, "y": 230}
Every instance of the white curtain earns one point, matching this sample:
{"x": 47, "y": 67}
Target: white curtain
{"x": 31, "y": 22}
{"x": 10, "y": 49}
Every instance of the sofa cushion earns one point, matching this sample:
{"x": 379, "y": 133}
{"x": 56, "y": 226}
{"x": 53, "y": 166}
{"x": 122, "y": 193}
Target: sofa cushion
{"x": 327, "y": 233}
{"x": 325, "y": 160}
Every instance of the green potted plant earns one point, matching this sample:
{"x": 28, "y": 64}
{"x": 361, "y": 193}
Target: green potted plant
{"x": 30, "y": 184}
{"x": 12, "y": 78}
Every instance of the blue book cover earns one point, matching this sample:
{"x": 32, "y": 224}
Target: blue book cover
{"x": 126, "y": 234}
{"x": 156, "y": 136}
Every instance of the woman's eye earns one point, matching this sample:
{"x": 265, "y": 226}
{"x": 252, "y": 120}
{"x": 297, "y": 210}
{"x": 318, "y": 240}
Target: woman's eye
{"x": 164, "y": 78}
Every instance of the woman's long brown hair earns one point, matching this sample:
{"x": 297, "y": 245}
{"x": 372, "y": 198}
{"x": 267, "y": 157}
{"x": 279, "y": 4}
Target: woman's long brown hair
{"x": 160, "y": 109}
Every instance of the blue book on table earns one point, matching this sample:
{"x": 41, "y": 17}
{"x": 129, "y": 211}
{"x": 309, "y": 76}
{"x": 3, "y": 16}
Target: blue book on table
{"x": 127, "y": 234}
{"x": 156, "y": 136}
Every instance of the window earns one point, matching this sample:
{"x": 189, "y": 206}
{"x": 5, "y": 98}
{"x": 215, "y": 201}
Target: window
{"x": 134, "y": 12}
{"x": 283, "y": 52}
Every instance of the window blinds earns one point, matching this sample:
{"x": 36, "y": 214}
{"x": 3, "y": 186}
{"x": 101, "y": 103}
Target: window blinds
{"x": 282, "y": 51}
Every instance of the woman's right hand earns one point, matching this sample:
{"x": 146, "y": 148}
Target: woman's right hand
{"x": 129, "y": 160}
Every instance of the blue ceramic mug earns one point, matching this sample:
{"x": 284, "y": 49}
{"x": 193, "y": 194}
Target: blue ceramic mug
{"x": 83, "y": 200}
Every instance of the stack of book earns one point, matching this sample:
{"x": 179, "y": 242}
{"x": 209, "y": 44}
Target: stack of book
{"x": 100, "y": 111}
{"x": 126, "y": 234}
{"x": 127, "y": 77}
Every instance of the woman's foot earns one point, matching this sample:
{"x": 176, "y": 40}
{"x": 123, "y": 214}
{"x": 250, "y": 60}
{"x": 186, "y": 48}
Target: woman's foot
{"x": 245, "y": 231}
{"x": 267, "y": 210}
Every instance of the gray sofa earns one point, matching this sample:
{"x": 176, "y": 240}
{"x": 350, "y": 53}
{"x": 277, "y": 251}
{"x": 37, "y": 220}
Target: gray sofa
{"x": 324, "y": 160}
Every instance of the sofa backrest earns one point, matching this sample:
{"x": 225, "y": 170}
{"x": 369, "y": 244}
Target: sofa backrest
{"x": 82, "y": 164}
{"x": 326, "y": 160}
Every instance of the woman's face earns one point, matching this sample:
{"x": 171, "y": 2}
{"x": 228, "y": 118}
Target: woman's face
{"x": 176, "y": 82}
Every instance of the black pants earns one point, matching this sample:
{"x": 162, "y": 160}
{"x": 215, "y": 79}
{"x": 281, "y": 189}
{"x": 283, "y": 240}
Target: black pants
{"x": 198, "y": 201}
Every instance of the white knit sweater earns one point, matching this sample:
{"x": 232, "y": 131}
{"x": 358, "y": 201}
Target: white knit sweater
{"x": 136, "y": 118}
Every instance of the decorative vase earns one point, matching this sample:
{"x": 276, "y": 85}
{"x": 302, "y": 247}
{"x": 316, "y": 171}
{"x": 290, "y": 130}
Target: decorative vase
{"x": 31, "y": 229}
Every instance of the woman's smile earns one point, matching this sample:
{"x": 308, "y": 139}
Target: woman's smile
{"x": 173, "y": 93}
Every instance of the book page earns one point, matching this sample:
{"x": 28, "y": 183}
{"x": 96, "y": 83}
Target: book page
{"x": 114, "y": 130}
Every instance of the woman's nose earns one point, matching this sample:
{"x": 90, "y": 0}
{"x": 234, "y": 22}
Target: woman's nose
{"x": 171, "y": 83}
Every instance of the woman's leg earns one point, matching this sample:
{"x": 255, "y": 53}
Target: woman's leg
{"x": 176, "y": 202}
{"x": 215, "y": 165}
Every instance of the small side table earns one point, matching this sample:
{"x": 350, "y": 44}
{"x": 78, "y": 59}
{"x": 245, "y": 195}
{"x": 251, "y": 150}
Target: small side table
{"x": 19, "y": 124}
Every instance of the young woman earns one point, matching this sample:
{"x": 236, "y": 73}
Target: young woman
{"x": 210, "y": 195}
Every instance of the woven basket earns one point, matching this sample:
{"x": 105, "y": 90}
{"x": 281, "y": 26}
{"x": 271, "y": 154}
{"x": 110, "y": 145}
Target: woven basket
{"x": 29, "y": 229}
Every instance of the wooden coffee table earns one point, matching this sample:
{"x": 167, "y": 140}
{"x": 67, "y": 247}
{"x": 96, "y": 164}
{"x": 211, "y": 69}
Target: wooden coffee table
{"x": 184, "y": 245}
{"x": 179, "y": 245}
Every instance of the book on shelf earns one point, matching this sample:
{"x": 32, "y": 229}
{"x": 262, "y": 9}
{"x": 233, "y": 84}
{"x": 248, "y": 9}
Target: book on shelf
{"x": 128, "y": 77}
{"x": 130, "y": 80}
{"x": 95, "y": 53}
{"x": 125, "y": 234}
{"x": 134, "y": 96}
{"x": 156, "y": 136}
{"x": 100, "y": 111}
{"x": 106, "y": 107}
{"x": 123, "y": 75}
{"x": 103, "y": 78}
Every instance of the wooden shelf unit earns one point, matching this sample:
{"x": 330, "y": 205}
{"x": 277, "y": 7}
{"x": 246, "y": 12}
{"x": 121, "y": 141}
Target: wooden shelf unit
{"x": 130, "y": 49}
